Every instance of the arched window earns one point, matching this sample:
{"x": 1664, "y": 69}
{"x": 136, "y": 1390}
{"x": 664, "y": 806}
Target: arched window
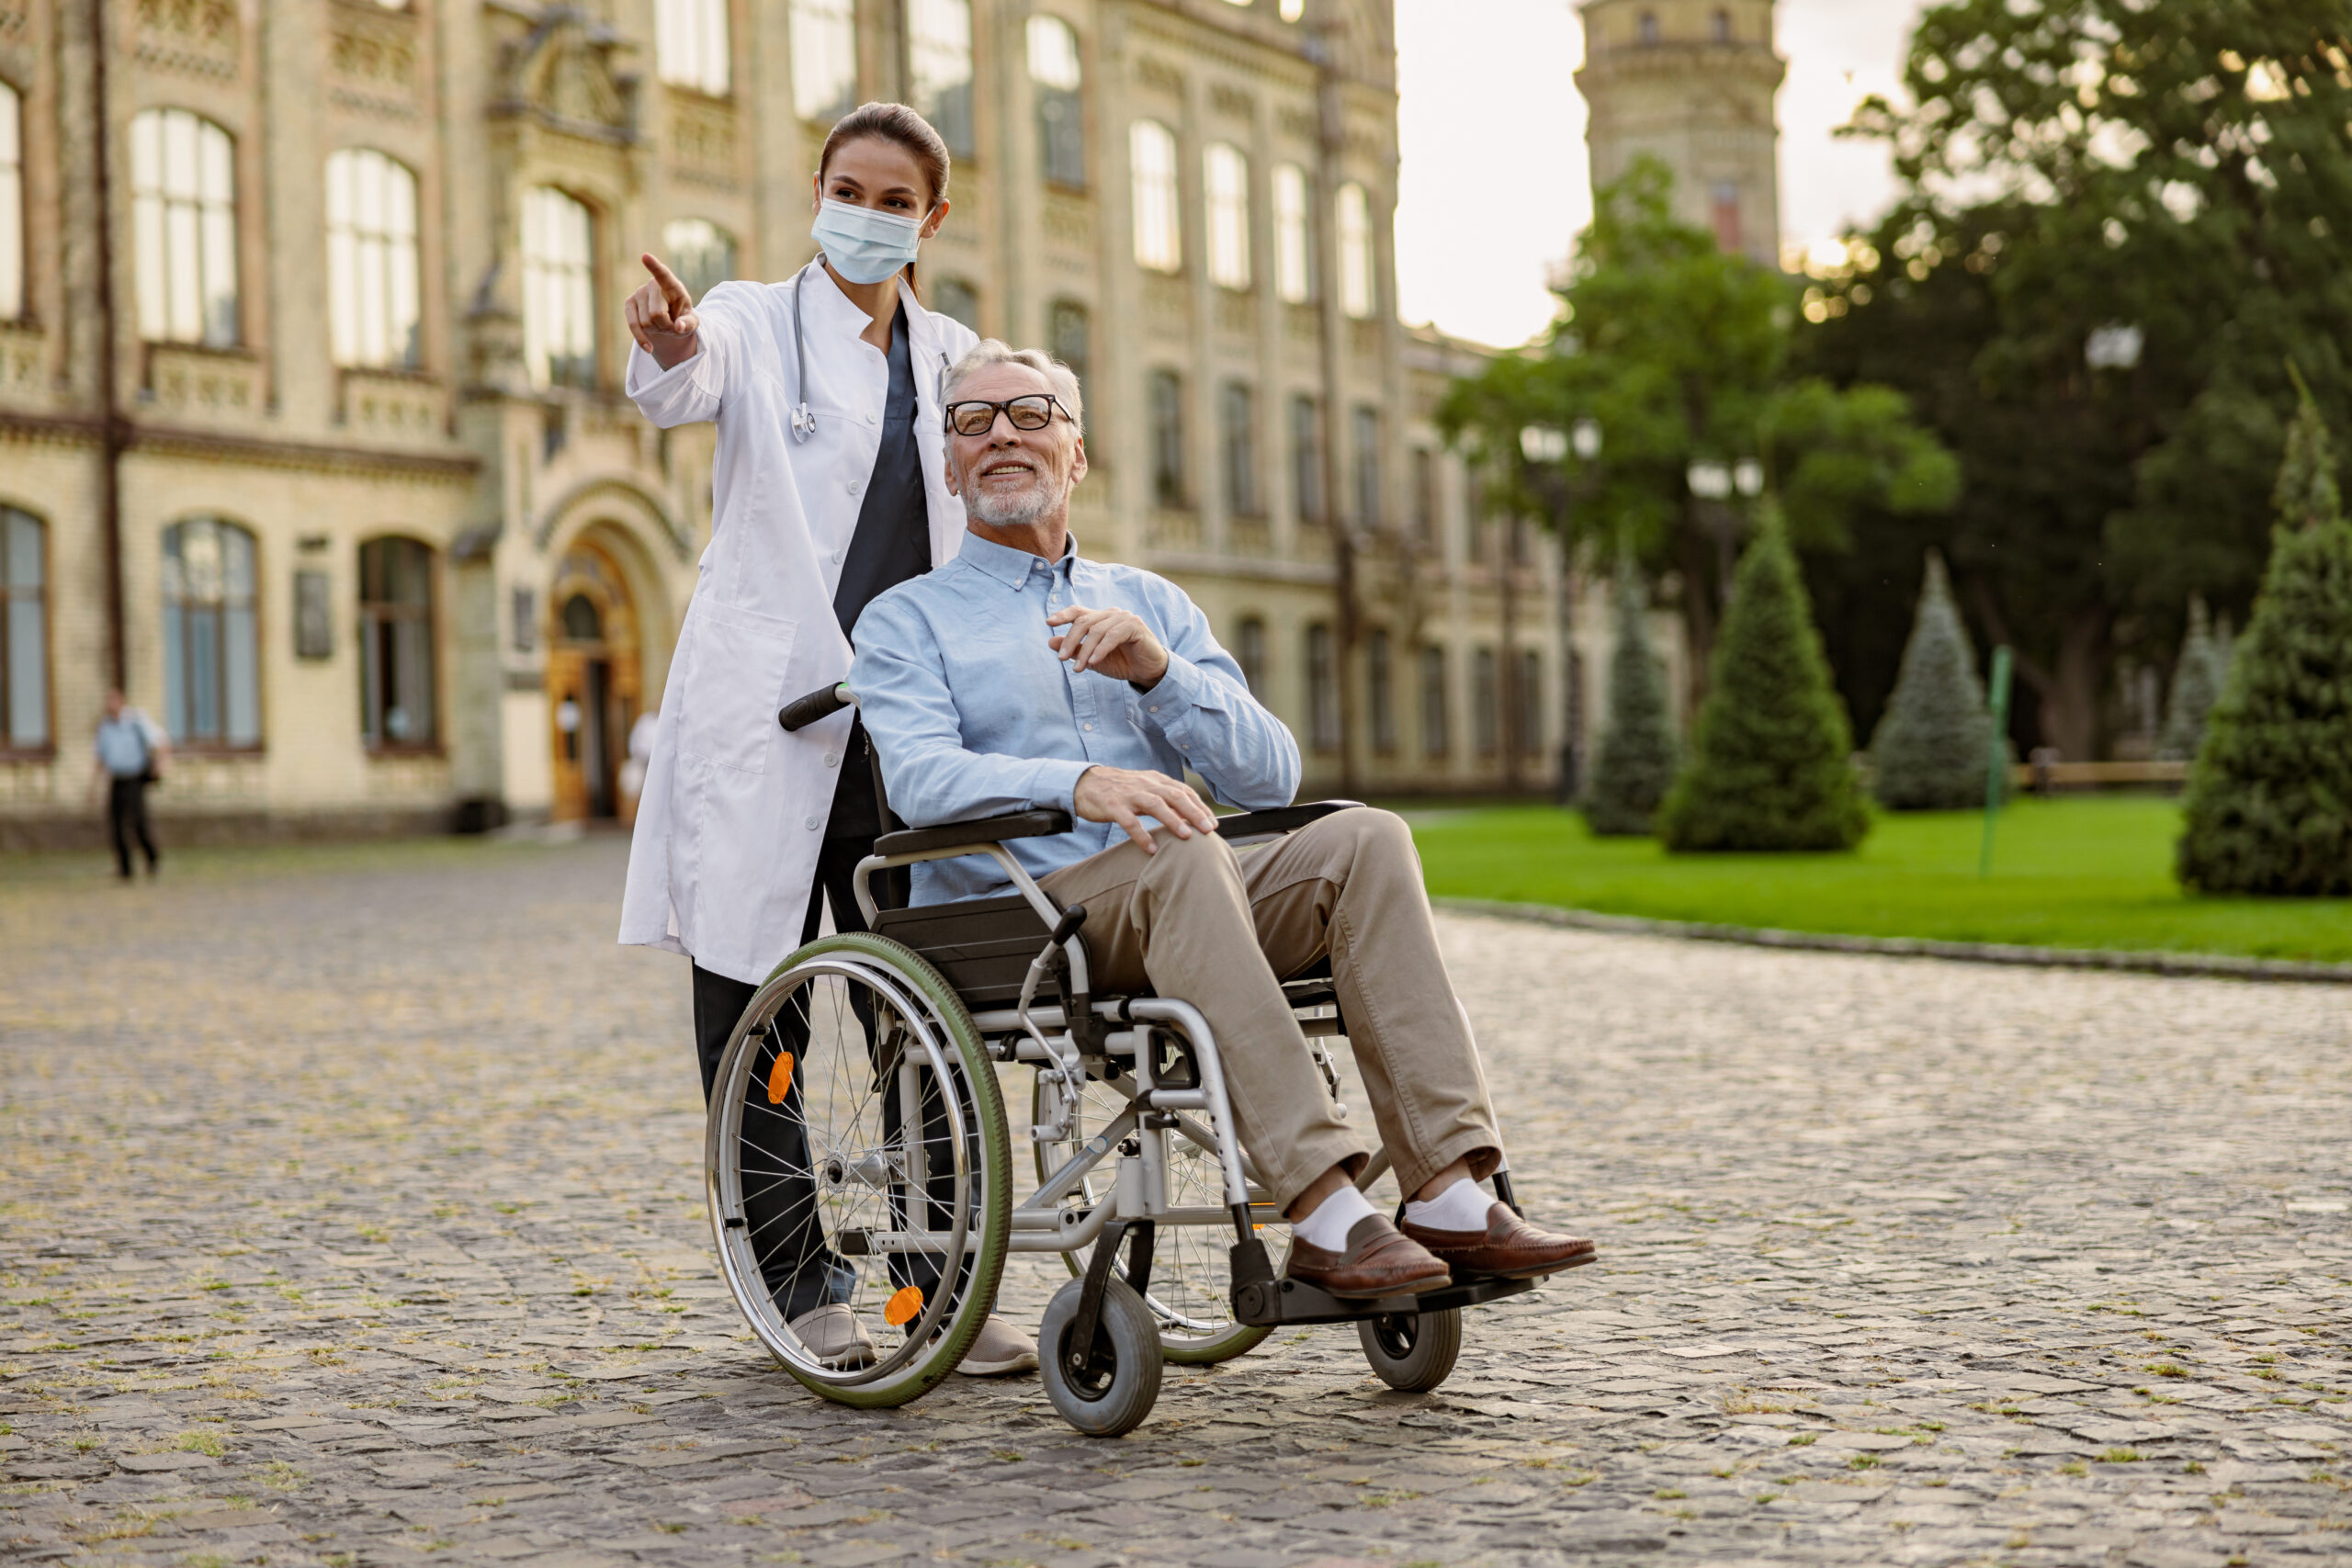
{"x": 24, "y": 631}
{"x": 1365, "y": 420}
{"x": 184, "y": 228}
{"x": 1437, "y": 725}
{"x": 700, "y": 251}
{"x": 1159, "y": 233}
{"x": 12, "y": 205}
{"x": 1227, "y": 176}
{"x": 558, "y": 290}
{"x": 396, "y": 654}
{"x": 1238, "y": 411}
{"x": 1322, "y": 690}
{"x": 1249, "y": 652}
{"x": 580, "y": 621}
{"x": 1380, "y": 685}
{"x": 372, "y": 296}
{"x": 1056, "y": 78}
{"x": 1358, "y": 289}
{"x": 211, "y": 650}
{"x": 1166, "y": 398}
{"x": 939, "y": 64}
{"x": 1293, "y": 265}
{"x": 1070, "y": 336}
{"x": 824, "y": 58}
{"x": 1307, "y": 458}
{"x": 690, "y": 44}
{"x": 957, "y": 300}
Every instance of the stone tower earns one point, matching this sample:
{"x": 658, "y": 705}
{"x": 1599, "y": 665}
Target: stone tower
{"x": 1690, "y": 83}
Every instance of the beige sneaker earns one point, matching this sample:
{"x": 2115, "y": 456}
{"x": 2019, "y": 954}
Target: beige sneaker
{"x": 834, "y": 1336}
{"x": 999, "y": 1352}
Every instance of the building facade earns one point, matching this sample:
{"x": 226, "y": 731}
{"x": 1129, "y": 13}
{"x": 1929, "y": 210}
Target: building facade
{"x": 310, "y": 429}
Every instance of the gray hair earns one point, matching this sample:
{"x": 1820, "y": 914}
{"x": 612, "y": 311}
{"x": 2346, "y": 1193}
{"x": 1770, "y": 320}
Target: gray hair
{"x": 995, "y": 351}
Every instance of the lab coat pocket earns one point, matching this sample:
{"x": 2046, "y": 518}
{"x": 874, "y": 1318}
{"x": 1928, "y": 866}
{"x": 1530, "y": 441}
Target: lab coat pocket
{"x": 741, "y": 659}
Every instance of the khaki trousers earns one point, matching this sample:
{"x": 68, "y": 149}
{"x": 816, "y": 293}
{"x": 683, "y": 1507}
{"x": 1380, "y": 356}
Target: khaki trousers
{"x": 1219, "y": 928}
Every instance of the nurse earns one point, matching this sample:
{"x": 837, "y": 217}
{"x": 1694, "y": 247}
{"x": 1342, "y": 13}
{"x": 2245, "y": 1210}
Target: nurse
{"x": 827, "y": 488}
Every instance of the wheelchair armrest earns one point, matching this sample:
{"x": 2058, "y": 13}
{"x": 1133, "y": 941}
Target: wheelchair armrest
{"x": 983, "y": 830}
{"x": 1280, "y": 819}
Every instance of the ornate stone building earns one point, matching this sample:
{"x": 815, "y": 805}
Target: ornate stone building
{"x": 309, "y": 353}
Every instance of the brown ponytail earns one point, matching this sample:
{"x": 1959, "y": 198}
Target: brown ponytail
{"x": 900, "y": 124}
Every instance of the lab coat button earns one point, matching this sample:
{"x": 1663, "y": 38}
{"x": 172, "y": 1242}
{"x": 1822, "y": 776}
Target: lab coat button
{"x": 839, "y": 554}
{"x": 854, "y": 484}
{"x": 832, "y": 759}
{"x": 811, "y": 823}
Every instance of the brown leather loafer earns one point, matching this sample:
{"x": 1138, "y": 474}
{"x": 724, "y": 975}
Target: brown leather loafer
{"x": 1377, "y": 1262}
{"x": 1509, "y": 1247}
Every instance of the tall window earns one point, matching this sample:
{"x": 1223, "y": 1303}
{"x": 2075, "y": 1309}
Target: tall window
{"x": 396, "y": 643}
{"x": 1646, "y": 29}
{"x": 1485, "y": 703}
{"x": 371, "y": 260}
{"x": 24, "y": 631}
{"x": 939, "y": 61}
{"x": 1380, "y": 679}
{"x": 1365, "y": 422}
{"x": 1160, "y": 234}
{"x": 1055, "y": 80}
{"x": 1228, "y": 173}
{"x": 1357, "y": 287}
{"x": 1307, "y": 458}
{"x": 1437, "y": 736}
{"x": 1719, "y": 27}
{"x": 1527, "y": 697}
{"x": 1475, "y": 533}
{"x": 1724, "y": 205}
{"x": 690, "y": 44}
{"x": 1424, "y": 494}
{"x": 12, "y": 205}
{"x": 824, "y": 58}
{"x": 211, "y": 664}
{"x": 1294, "y": 270}
{"x": 1070, "y": 336}
{"x": 957, "y": 300}
{"x": 1249, "y": 652}
{"x": 558, "y": 290}
{"x": 1322, "y": 690}
{"x": 1167, "y": 396}
{"x": 184, "y": 228}
{"x": 700, "y": 251}
{"x": 1238, "y": 414}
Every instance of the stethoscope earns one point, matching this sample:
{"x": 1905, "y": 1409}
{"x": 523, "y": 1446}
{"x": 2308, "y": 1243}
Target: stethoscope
{"x": 804, "y": 420}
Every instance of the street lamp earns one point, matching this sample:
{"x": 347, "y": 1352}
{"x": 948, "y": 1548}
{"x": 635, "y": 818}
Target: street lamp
{"x": 1712, "y": 482}
{"x": 1545, "y": 449}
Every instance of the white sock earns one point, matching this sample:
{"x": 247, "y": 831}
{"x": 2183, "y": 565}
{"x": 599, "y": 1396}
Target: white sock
{"x": 1460, "y": 1207}
{"x": 1333, "y": 1218}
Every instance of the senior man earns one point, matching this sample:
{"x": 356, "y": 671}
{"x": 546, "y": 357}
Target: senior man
{"x": 1021, "y": 675}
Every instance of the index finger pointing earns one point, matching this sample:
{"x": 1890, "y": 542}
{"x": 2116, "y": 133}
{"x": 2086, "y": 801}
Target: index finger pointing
{"x": 672, "y": 289}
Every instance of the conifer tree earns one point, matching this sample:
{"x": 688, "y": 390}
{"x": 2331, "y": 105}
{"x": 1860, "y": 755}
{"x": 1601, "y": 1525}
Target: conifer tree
{"x": 1930, "y": 751}
{"x": 1636, "y": 766}
{"x": 2196, "y": 687}
{"x": 1769, "y": 765}
{"x": 2270, "y": 793}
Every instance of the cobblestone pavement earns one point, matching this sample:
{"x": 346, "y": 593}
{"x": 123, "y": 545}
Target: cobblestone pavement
{"x": 351, "y": 1214}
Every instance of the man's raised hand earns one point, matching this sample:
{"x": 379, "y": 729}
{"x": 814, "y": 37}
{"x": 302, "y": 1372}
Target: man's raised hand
{"x": 661, "y": 317}
{"x": 1115, "y": 642}
{"x": 1127, "y": 795}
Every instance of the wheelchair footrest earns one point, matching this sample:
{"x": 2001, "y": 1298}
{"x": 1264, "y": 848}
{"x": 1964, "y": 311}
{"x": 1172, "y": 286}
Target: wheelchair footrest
{"x": 1275, "y": 1302}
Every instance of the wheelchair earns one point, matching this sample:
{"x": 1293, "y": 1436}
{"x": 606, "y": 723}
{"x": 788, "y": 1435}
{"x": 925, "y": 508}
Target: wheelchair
{"x": 858, "y": 1151}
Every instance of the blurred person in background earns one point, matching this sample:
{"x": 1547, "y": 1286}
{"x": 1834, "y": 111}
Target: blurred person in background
{"x": 129, "y": 752}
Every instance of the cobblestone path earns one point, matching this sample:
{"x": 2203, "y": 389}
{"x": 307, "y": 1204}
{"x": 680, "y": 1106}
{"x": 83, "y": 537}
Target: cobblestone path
{"x": 350, "y": 1214}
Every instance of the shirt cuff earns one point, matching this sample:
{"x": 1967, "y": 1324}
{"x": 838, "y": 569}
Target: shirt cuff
{"x": 1054, "y": 783}
{"x": 1174, "y": 700}
{"x": 646, "y": 378}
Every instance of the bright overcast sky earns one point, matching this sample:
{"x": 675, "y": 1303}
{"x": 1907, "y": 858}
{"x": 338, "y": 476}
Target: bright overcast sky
{"x": 1495, "y": 184}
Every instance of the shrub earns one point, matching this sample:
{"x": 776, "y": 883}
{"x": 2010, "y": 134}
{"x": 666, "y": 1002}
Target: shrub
{"x": 1769, "y": 765}
{"x": 1636, "y": 766}
{"x": 1930, "y": 749}
{"x": 2270, "y": 793}
{"x": 2196, "y": 687}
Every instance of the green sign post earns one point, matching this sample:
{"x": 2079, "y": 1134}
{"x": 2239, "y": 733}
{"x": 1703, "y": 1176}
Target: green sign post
{"x": 1996, "y": 759}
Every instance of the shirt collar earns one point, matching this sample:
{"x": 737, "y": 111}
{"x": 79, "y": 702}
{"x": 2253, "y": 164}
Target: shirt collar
{"x": 1007, "y": 565}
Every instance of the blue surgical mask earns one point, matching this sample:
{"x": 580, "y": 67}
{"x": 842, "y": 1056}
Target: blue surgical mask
{"x": 864, "y": 244}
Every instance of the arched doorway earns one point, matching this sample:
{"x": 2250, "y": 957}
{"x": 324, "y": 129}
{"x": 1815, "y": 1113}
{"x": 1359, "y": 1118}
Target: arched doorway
{"x": 594, "y": 683}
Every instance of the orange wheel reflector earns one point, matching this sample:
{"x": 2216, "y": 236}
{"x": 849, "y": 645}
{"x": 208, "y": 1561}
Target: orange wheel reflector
{"x": 903, "y": 1306}
{"x": 780, "y": 1077}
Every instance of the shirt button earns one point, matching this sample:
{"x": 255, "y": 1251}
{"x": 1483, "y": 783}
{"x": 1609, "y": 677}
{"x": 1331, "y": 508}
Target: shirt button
{"x": 1154, "y": 707}
{"x": 1090, "y": 726}
{"x": 839, "y": 554}
{"x": 832, "y": 759}
{"x": 812, "y": 823}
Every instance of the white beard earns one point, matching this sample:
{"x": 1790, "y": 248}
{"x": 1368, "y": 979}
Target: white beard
{"x": 1031, "y": 504}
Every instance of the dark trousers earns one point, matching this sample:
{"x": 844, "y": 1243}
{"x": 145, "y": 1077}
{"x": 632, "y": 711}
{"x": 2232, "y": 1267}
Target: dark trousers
{"x": 780, "y": 1211}
{"x": 127, "y": 815}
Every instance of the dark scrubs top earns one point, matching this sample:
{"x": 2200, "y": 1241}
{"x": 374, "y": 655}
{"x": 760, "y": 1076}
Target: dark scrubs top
{"x": 891, "y": 544}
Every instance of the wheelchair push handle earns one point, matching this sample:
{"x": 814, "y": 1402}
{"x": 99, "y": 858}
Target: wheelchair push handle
{"x": 824, "y": 701}
{"x": 1067, "y": 927}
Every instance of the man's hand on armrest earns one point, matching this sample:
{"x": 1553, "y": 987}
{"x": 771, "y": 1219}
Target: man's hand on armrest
{"x": 1126, "y": 795}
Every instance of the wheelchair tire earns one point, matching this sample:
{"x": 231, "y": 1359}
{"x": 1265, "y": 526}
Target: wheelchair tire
{"x": 1413, "y": 1353}
{"x": 852, "y": 1041}
{"x": 1123, "y": 1383}
{"x": 1190, "y": 1293}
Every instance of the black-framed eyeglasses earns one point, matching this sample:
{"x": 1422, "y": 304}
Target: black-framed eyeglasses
{"x": 1031, "y": 411}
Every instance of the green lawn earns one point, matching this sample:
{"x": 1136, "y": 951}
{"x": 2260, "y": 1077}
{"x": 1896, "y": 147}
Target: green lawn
{"x": 2082, "y": 872}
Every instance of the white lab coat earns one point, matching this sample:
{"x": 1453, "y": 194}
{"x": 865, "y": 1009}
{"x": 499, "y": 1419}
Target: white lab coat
{"x": 734, "y": 808}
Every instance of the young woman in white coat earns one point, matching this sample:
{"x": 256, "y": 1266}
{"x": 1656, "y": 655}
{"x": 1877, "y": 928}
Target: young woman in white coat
{"x": 828, "y": 488}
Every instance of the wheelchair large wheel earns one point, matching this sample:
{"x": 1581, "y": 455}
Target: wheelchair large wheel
{"x": 1412, "y": 1351}
{"x": 1190, "y": 1293}
{"x": 1119, "y": 1379}
{"x": 856, "y": 1161}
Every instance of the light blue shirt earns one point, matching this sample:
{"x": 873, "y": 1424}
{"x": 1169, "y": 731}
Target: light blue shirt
{"x": 125, "y": 744}
{"x": 976, "y": 715}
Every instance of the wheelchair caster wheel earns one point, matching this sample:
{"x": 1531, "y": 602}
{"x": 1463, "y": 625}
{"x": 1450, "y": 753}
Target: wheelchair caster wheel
{"x": 1118, "y": 1382}
{"x": 1412, "y": 1351}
